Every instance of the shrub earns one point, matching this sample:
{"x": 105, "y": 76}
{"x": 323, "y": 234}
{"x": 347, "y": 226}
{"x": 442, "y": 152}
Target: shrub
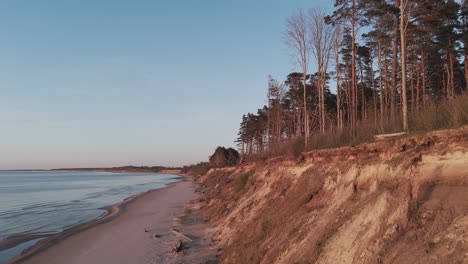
{"x": 199, "y": 169}
{"x": 297, "y": 147}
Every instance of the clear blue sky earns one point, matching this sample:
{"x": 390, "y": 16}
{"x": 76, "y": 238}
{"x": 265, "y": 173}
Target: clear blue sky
{"x": 108, "y": 83}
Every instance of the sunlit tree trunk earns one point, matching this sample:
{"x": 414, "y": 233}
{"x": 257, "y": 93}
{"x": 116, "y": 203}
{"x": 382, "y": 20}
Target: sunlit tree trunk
{"x": 403, "y": 26}
{"x": 465, "y": 38}
{"x": 452, "y": 75}
{"x": 339, "y": 117}
{"x": 387, "y": 87}
{"x": 353, "y": 67}
{"x": 363, "y": 100}
{"x": 418, "y": 88}
{"x": 381, "y": 94}
{"x": 423, "y": 72}
{"x": 412, "y": 88}
{"x": 374, "y": 92}
{"x": 393, "y": 92}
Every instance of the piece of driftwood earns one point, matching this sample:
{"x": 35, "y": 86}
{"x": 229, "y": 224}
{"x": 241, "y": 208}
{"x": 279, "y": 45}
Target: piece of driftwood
{"x": 182, "y": 236}
{"x": 389, "y": 136}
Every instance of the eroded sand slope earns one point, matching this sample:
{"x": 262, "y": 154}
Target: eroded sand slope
{"x": 398, "y": 201}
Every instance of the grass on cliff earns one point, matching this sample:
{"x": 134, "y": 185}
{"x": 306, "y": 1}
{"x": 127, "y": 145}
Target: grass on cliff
{"x": 435, "y": 115}
{"x": 448, "y": 113}
{"x": 242, "y": 180}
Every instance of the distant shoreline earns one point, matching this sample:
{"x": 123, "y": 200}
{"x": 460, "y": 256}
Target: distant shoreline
{"x": 112, "y": 212}
{"x": 124, "y": 169}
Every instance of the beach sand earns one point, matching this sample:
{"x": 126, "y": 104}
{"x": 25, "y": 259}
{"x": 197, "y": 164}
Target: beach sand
{"x": 143, "y": 230}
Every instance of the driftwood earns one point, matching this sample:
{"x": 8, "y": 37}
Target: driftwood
{"x": 389, "y": 136}
{"x": 182, "y": 236}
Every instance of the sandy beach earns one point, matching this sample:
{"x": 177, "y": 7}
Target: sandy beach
{"x": 143, "y": 230}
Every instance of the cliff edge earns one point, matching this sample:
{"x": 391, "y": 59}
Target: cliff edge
{"x": 396, "y": 201}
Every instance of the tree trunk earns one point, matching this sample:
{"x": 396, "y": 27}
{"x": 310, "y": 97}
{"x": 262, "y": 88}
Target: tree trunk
{"x": 373, "y": 92}
{"x": 444, "y": 84}
{"x": 349, "y": 105}
{"x": 387, "y": 88}
{"x": 418, "y": 84}
{"x": 412, "y": 88}
{"x": 452, "y": 75}
{"x": 319, "y": 101}
{"x": 323, "y": 103}
{"x": 404, "y": 103}
{"x": 353, "y": 67}
{"x": 306, "y": 117}
{"x": 382, "y": 105}
{"x": 466, "y": 64}
{"x": 423, "y": 72}
{"x": 465, "y": 44}
{"x": 338, "y": 92}
{"x": 394, "y": 67}
{"x": 299, "y": 122}
{"x": 449, "y": 82}
{"x": 363, "y": 99}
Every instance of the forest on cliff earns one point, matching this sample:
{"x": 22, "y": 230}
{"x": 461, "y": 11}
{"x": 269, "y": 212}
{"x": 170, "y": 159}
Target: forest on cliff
{"x": 369, "y": 67}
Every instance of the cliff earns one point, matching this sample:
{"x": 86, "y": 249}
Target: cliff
{"x": 396, "y": 201}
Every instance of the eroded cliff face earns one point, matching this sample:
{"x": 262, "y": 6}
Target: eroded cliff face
{"x": 400, "y": 201}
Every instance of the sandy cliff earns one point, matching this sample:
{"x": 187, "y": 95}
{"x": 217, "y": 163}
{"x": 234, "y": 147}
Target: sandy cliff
{"x": 397, "y": 201}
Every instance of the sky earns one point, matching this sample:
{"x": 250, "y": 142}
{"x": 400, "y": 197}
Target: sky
{"x": 86, "y": 83}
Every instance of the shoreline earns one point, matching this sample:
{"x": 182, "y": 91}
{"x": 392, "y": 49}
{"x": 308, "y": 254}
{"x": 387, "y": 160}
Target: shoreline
{"x": 106, "y": 170}
{"x": 14, "y": 240}
{"x": 127, "y": 169}
{"x": 48, "y": 240}
{"x": 145, "y": 228}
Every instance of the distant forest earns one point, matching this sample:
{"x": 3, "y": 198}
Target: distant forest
{"x": 394, "y": 65}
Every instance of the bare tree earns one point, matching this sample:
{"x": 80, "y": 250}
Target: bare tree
{"x": 321, "y": 37}
{"x": 298, "y": 39}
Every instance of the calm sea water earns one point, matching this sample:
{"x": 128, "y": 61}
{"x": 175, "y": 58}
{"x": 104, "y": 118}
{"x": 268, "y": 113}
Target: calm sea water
{"x": 48, "y": 202}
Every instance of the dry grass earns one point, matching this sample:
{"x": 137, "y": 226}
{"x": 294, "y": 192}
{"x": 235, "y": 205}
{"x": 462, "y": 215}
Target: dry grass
{"x": 443, "y": 114}
{"x": 242, "y": 180}
{"x": 447, "y": 113}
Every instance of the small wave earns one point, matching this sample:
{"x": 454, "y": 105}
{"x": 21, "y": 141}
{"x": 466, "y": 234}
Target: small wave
{"x": 53, "y": 212}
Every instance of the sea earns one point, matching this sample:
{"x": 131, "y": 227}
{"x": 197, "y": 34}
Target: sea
{"x": 37, "y": 203}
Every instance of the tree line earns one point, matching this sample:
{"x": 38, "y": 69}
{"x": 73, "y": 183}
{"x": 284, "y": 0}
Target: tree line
{"x": 387, "y": 60}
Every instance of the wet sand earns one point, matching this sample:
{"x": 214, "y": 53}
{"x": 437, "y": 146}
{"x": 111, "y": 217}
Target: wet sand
{"x": 142, "y": 230}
